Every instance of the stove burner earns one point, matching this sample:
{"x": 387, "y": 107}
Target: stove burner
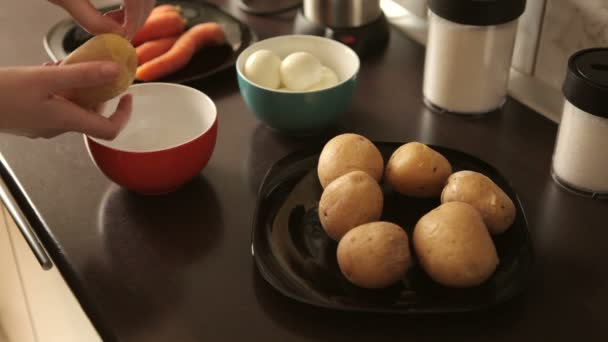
{"x": 365, "y": 40}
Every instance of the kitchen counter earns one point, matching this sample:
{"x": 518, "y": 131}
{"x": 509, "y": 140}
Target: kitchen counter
{"x": 179, "y": 267}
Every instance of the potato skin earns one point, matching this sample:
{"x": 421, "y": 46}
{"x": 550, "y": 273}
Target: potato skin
{"x": 349, "y": 201}
{"x": 476, "y": 189}
{"x": 417, "y": 170}
{"x": 349, "y": 152}
{"x": 103, "y": 47}
{"x": 454, "y": 247}
{"x": 374, "y": 255}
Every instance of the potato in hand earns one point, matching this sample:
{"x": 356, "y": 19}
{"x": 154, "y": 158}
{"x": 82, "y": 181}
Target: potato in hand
{"x": 103, "y": 47}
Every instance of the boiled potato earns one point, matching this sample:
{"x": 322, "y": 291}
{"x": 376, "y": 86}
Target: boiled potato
{"x": 349, "y": 152}
{"x": 415, "y": 169}
{"x": 103, "y": 47}
{"x": 476, "y": 189}
{"x": 454, "y": 247}
{"x": 349, "y": 201}
{"x": 374, "y": 255}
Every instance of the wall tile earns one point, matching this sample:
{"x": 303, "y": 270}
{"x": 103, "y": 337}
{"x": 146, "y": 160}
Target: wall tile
{"x": 569, "y": 26}
{"x": 528, "y": 31}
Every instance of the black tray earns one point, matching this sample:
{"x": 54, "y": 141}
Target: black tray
{"x": 295, "y": 256}
{"x": 66, "y": 36}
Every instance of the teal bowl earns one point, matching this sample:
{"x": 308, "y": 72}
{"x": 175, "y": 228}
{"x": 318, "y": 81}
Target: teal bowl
{"x": 303, "y": 112}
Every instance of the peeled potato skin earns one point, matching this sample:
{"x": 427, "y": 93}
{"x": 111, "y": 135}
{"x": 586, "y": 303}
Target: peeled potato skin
{"x": 349, "y": 201}
{"x": 374, "y": 255}
{"x": 417, "y": 170}
{"x": 476, "y": 189}
{"x": 454, "y": 247}
{"x": 103, "y": 47}
{"x": 349, "y": 152}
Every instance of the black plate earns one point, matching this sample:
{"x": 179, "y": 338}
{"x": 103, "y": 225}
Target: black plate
{"x": 66, "y": 36}
{"x": 293, "y": 253}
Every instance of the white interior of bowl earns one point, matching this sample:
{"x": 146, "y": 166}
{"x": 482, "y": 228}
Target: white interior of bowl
{"x": 164, "y": 116}
{"x": 334, "y": 55}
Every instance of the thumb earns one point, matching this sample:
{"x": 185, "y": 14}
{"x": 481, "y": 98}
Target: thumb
{"x": 76, "y": 119}
{"x": 89, "y": 17}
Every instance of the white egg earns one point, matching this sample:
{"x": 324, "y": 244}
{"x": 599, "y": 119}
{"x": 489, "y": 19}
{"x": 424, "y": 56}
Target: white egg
{"x": 300, "y": 71}
{"x": 263, "y": 68}
{"x": 328, "y": 79}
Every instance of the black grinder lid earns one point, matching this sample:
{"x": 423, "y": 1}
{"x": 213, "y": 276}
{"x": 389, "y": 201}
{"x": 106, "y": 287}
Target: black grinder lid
{"x": 478, "y": 12}
{"x": 586, "y": 84}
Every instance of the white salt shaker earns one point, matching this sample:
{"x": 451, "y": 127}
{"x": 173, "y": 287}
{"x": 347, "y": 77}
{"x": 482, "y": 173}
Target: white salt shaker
{"x": 468, "y": 54}
{"x": 580, "y": 159}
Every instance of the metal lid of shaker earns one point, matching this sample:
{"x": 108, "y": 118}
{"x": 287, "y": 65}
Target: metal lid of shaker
{"x": 586, "y": 84}
{"x": 478, "y": 12}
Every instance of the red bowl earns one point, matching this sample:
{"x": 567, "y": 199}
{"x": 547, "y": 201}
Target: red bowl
{"x": 168, "y": 140}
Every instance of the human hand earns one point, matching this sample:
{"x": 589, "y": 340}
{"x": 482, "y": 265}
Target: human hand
{"x": 30, "y": 104}
{"x": 124, "y": 21}
{"x": 132, "y": 15}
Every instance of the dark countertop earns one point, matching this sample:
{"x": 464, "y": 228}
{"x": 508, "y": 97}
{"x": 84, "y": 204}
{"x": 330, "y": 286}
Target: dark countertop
{"x": 189, "y": 275}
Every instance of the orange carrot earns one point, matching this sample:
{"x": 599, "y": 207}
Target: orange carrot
{"x": 154, "y": 48}
{"x": 161, "y": 25}
{"x": 165, "y": 8}
{"x": 181, "y": 52}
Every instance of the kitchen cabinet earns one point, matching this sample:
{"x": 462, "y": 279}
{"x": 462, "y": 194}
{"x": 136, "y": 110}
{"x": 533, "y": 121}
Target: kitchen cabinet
{"x": 15, "y": 322}
{"x": 35, "y": 305}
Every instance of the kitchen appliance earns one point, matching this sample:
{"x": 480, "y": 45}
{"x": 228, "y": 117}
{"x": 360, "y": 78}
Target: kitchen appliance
{"x": 360, "y": 24}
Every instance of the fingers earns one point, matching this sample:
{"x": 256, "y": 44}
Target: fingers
{"x": 89, "y": 17}
{"x": 77, "y": 75}
{"x": 70, "y": 117}
{"x": 135, "y": 14}
{"x": 51, "y": 63}
{"x": 117, "y": 15}
{"x": 132, "y": 17}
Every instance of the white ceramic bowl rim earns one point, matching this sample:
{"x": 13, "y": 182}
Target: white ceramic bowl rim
{"x": 207, "y": 115}
{"x": 294, "y": 37}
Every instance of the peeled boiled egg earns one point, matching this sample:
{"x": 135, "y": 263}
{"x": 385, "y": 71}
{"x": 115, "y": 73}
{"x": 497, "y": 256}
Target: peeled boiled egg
{"x": 328, "y": 79}
{"x": 300, "y": 71}
{"x": 263, "y": 68}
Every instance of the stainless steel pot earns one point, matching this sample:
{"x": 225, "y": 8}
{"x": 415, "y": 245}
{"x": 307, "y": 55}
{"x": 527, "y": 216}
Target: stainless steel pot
{"x": 342, "y": 13}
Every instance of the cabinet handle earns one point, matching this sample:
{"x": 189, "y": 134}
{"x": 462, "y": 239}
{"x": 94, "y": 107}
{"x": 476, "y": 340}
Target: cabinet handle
{"x": 8, "y": 181}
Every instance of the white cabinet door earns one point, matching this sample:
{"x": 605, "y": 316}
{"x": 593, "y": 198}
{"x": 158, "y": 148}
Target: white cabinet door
{"x": 15, "y": 322}
{"x": 55, "y": 313}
